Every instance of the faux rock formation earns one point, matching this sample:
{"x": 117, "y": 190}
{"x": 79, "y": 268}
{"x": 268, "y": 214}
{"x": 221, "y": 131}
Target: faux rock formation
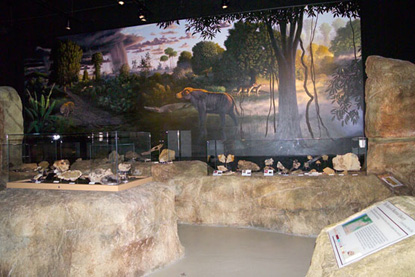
{"x": 390, "y": 119}
{"x": 346, "y": 162}
{"x": 27, "y": 167}
{"x": 70, "y": 175}
{"x": 167, "y": 155}
{"x": 97, "y": 174}
{"x": 395, "y": 157}
{"x": 61, "y": 165}
{"x": 390, "y": 98}
{"x": 247, "y": 165}
{"x": 394, "y": 260}
{"x": 72, "y": 233}
{"x": 11, "y": 122}
{"x": 166, "y": 172}
{"x": 296, "y": 205}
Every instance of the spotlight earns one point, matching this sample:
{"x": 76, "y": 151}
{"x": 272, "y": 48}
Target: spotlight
{"x": 68, "y": 25}
{"x": 225, "y": 4}
{"x": 121, "y": 2}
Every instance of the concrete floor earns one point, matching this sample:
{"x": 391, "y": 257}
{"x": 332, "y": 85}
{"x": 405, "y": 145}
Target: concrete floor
{"x": 224, "y": 251}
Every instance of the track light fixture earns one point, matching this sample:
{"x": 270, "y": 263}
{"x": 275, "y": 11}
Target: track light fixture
{"x": 225, "y": 4}
{"x": 68, "y": 25}
{"x": 142, "y": 11}
{"x": 121, "y": 2}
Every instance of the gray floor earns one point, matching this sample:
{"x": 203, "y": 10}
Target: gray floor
{"x": 223, "y": 251}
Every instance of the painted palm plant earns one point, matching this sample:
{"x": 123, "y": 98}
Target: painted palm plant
{"x": 40, "y": 112}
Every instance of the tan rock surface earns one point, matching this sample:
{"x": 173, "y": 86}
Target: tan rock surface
{"x": 11, "y": 122}
{"x": 298, "y": 205}
{"x": 166, "y": 172}
{"x": 390, "y": 98}
{"x": 73, "y": 233}
{"x": 396, "y": 157}
{"x": 395, "y": 260}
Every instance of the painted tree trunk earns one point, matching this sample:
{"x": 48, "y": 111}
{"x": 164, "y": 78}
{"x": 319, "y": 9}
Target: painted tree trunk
{"x": 288, "y": 117}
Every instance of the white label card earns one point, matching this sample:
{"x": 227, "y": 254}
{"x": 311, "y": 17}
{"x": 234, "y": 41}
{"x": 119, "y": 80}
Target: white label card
{"x": 217, "y": 173}
{"x": 268, "y": 172}
{"x": 247, "y": 172}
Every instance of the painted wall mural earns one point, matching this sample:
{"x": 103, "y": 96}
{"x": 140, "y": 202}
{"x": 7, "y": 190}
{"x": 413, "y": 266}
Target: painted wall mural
{"x": 283, "y": 74}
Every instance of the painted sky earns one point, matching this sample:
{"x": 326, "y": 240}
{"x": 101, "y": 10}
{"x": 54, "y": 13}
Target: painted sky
{"x": 139, "y": 40}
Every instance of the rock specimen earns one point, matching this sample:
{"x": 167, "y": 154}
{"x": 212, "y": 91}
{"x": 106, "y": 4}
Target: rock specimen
{"x": 348, "y": 162}
{"x": 394, "y": 260}
{"x": 131, "y": 155}
{"x": 97, "y": 174}
{"x": 226, "y": 159}
{"x": 296, "y": 164}
{"x": 70, "y": 175}
{"x": 328, "y": 171}
{"x": 282, "y": 168}
{"x": 43, "y": 165}
{"x": 155, "y": 148}
{"x": 115, "y": 157}
{"x": 167, "y": 155}
{"x": 124, "y": 167}
{"x": 222, "y": 168}
{"x": 325, "y": 158}
{"x": 61, "y": 165}
{"x": 73, "y": 233}
{"x": 222, "y": 158}
{"x": 269, "y": 162}
{"x": 247, "y": 165}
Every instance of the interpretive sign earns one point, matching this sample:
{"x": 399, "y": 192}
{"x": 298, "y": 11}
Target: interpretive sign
{"x": 391, "y": 181}
{"x": 377, "y": 228}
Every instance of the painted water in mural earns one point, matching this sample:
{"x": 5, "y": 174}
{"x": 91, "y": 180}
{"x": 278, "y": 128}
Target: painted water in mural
{"x": 264, "y": 76}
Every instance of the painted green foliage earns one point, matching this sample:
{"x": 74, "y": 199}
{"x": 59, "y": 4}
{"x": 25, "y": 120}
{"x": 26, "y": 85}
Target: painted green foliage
{"x": 39, "y": 112}
{"x": 97, "y": 60}
{"x": 66, "y": 63}
{"x": 205, "y": 55}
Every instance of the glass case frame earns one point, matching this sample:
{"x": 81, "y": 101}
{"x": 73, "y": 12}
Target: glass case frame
{"x": 100, "y": 161}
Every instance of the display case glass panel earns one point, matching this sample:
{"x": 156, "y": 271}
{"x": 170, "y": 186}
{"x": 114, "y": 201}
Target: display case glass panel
{"x": 299, "y": 156}
{"x": 93, "y": 161}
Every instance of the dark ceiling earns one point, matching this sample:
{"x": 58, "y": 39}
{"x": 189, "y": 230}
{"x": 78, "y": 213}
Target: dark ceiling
{"x": 48, "y": 18}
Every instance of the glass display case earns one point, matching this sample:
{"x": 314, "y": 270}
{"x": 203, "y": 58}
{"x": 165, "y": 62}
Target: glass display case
{"x": 288, "y": 157}
{"x": 107, "y": 161}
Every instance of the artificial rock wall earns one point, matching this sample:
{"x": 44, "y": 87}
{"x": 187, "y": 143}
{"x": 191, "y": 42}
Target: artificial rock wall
{"x": 11, "y": 122}
{"x": 78, "y": 233}
{"x": 390, "y": 118}
{"x": 294, "y": 205}
{"x": 394, "y": 260}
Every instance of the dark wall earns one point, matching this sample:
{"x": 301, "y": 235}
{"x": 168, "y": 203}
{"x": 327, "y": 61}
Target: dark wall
{"x": 386, "y": 31}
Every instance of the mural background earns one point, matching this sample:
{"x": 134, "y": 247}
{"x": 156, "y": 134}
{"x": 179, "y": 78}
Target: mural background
{"x": 127, "y": 79}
